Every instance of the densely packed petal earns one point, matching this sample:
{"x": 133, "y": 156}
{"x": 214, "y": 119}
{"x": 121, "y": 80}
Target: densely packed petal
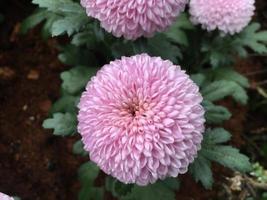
{"x": 141, "y": 119}
{"x": 5, "y": 197}
{"x": 228, "y": 16}
{"x": 134, "y": 18}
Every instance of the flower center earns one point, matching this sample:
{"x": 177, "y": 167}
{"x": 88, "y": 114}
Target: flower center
{"x": 133, "y": 111}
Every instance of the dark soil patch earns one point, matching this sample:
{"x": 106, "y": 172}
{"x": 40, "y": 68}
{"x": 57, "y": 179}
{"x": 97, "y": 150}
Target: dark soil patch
{"x": 34, "y": 164}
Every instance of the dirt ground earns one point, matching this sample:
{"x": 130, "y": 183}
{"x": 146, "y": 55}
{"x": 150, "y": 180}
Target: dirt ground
{"x": 34, "y": 164}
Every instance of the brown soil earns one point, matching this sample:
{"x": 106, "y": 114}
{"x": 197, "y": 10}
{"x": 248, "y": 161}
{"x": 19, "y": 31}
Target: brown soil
{"x": 34, "y": 164}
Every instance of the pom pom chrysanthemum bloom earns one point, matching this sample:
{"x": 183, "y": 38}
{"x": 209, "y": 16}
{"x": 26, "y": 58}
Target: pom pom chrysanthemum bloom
{"x": 134, "y": 18}
{"x": 228, "y": 16}
{"x": 141, "y": 120}
{"x": 5, "y": 197}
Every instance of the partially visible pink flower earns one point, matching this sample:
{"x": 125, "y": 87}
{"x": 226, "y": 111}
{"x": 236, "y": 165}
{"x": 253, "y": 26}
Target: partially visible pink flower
{"x": 228, "y": 16}
{"x": 134, "y": 18}
{"x": 5, "y": 197}
{"x": 141, "y": 120}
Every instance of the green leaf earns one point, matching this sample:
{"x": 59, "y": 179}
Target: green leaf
{"x": 67, "y": 103}
{"x": 63, "y": 6}
{"x": 88, "y": 172}
{"x": 91, "y": 193}
{"x": 172, "y": 183}
{"x": 156, "y": 191}
{"x": 47, "y": 27}
{"x": 51, "y": 5}
{"x": 119, "y": 189}
{"x": 215, "y": 114}
{"x": 78, "y": 148}
{"x": 120, "y": 49}
{"x": 159, "y": 45}
{"x": 83, "y": 38}
{"x": 33, "y": 20}
{"x": 218, "y": 51}
{"x": 69, "y": 24}
{"x": 227, "y": 156}
{"x": 198, "y": 79}
{"x": 201, "y": 171}
{"x": 71, "y": 8}
{"x": 219, "y": 89}
{"x": 75, "y": 79}
{"x": 216, "y": 136}
{"x": 227, "y": 73}
{"x": 255, "y": 39}
{"x": 63, "y": 124}
{"x": 176, "y": 32}
{"x": 75, "y": 56}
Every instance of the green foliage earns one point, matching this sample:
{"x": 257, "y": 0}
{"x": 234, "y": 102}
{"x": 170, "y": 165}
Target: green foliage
{"x": 218, "y": 51}
{"x": 221, "y": 50}
{"x": 75, "y": 79}
{"x": 36, "y": 18}
{"x": 66, "y": 103}
{"x": 259, "y": 172}
{"x": 87, "y": 173}
{"x": 78, "y": 148}
{"x": 63, "y": 124}
{"x": 213, "y": 150}
{"x": 198, "y": 79}
{"x": 219, "y": 83}
{"x": 157, "y": 46}
{"x": 201, "y": 171}
{"x": 176, "y": 32}
{"x": 68, "y": 24}
{"x": 75, "y": 56}
{"x": 215, "y": 114}
{"x": 263, "y": 197}
{"x": 117, "y": 188}
{"x": 228, "y": 74}
{"x": 219, "y": 89}
{"x": 157, "y": 191}
{"x": 227, "y": 156}
{"x": 61, "y": 16}
{"x": 253, "y": 38}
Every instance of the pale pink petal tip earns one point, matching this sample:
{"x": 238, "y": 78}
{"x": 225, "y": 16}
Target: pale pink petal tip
{"x": 141, "y": 119}
{"x": 5, "y": 197}
{"x": 134, "y": 18}
{"x": 228, "y": 16}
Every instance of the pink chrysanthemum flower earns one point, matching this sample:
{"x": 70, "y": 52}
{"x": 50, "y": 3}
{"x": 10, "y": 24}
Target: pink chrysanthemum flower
{"x": 134, "y": 18}
{"x": 141, "y": 120}
{"x": 5, "y": 197}
{"x": 228, "y": 16}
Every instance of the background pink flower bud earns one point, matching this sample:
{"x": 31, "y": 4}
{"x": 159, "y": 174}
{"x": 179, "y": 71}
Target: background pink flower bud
{"x": 5, "y": 197}
{"x": 141, "y": 120}
{"x": 134, "y": 18}
{"x": 228, "y": 16}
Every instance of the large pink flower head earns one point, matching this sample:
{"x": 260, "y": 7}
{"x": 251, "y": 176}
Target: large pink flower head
{"x": 141, "y": 120}
{"x": 134, "y": 18}
{"x": 228, "y": 16}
